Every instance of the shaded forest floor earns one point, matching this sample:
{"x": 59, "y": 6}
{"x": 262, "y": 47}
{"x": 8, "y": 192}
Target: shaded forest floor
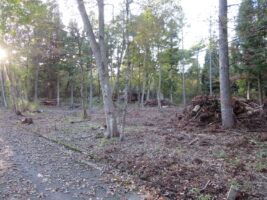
{"x": 157, "y": 157}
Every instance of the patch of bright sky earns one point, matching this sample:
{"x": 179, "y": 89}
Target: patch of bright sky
{"x": 197, "y": 14}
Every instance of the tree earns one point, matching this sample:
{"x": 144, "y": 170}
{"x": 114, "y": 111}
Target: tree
{"x": 210, "y": 71}
{"x": 99, "y": 51}
{"x": 249, "y": 49}
{"x": 226, "y": 105}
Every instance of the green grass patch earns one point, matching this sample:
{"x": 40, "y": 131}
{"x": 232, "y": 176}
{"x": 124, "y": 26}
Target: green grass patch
{"x": 104, "y": 142}
{"x": 219, "y": 154}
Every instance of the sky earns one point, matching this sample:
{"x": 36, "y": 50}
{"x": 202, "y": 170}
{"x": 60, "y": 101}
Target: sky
{"x": 197, "y": 14}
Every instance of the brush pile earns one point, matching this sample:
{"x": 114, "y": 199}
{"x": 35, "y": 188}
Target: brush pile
{"x": 204, "y": 110}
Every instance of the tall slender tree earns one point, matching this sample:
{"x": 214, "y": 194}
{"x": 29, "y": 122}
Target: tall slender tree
{"x": 99, "y": 51}
{"x": 226, "y": 105}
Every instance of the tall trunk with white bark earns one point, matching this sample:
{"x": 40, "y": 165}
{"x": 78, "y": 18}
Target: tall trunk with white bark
{"x": 226, "y": 105}
{"x": 99, "y": 51}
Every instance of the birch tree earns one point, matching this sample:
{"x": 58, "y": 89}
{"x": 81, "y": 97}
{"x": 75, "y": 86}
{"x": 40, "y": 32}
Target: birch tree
{"x": 99, "y": 51}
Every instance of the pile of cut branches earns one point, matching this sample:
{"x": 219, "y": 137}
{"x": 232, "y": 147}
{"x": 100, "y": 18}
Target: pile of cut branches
{"x": 204, "y": 110}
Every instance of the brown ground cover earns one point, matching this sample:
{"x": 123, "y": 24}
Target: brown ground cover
{"x": 163, "y": 157}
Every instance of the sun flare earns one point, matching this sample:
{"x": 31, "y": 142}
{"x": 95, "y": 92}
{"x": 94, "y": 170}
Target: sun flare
{"x": 2, "y": 53}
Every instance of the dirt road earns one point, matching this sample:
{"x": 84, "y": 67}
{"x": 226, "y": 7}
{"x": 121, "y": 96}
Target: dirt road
{"x": 34, "y": 168}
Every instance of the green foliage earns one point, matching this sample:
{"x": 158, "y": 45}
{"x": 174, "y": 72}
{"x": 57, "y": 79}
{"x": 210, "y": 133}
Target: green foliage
{"x": 212, "y": 60}
{"x": 248, "y": 52}
{"x": 219, "y": 154}
{"x": 104, "y": 142}
{"x": 234, "y": 182}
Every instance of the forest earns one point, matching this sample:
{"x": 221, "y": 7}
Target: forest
{"x": 114, "y": 105}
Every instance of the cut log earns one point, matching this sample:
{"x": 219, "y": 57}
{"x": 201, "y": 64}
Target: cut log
{"x": 196, "y": 109}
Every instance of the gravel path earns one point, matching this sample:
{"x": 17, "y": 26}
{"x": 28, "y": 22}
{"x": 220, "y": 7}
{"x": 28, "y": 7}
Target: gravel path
{"x": 34, "y": 168}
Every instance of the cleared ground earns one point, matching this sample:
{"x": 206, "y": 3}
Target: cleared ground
{"x": 157, "y": 157}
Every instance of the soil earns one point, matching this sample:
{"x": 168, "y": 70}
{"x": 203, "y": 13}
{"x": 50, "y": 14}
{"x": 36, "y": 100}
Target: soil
{"x": 158, "y": 158}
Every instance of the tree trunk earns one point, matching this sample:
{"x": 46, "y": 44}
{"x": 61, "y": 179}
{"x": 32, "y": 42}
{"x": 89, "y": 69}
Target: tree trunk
{"x": 82, "y": 94}
{"x": 71, "y": 94}
{"x": 260, "y": 89}
{"x": 99, "y": 51}
{"x": 143, "y": 91}
{"x": 120, "y": 58}
{"x": 248, "y": 89}
{"x": 36, "y": 83}
{"x": 58, "y": 92}
{"x": 184, "y": 88}
{"x": 3, "y": 91}
{"x": 144, "y": 81}
{"x": 127, "y": 75}
{"x": 210, "y": 63}
{"x": 159, "y": 87}
{"x": 124, "y": 110}
{"x": 226, "y": 105}
{"x": 171, "y": 88}
{"x": 91, "y": 89}
{"x": 183, "y": 73}
{"x": 148, "y": 94}
{"x": 12, "y": 90}
{"x": 139, "y": 82}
